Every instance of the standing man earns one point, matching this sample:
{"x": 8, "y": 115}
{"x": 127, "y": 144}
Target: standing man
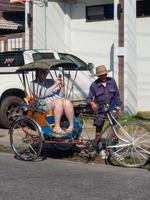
{"x": 102, "y": 91}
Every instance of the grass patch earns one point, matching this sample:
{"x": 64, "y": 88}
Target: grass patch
{"x": 143, "y": 115}
{"x": 129, "y": 118}
{"x": 89, "y": 122}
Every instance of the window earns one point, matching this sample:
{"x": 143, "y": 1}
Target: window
{"x": 11, "y": 59}
{"x": 100, "y": 12}
{"x": 80, "y": 63}
{"x": 39, "y": 56}
{"x": 14, "y": 15}
{"x": 143, "y": 8}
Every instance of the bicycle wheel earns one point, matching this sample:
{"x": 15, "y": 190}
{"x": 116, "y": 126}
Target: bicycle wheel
{"x": 130, "y": 146}
{"x": 26, "y": 139}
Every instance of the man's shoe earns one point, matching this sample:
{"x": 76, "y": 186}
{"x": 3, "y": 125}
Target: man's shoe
{"x": 103, "y": 154}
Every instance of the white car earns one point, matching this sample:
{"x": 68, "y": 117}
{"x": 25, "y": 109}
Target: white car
{"x": 77, "y": 81}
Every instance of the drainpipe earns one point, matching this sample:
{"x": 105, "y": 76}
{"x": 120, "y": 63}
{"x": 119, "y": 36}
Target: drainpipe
{"x": 30, "y": 24}
{"x": 120, "y": 15}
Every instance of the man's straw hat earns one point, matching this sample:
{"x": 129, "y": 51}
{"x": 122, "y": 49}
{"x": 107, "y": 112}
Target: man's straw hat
{"x": 101, "y": 70}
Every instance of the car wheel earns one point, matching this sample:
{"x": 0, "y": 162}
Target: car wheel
{"x": 10, "y": 108}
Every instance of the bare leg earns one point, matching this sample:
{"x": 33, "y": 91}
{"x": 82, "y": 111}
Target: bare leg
{"x": 69, "y": 111}
{"x": 56, "y": 107}
{"x": 98, "y": 134}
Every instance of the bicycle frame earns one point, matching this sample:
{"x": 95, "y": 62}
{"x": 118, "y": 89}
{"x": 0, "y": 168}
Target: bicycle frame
{"x": 111, "y": 118}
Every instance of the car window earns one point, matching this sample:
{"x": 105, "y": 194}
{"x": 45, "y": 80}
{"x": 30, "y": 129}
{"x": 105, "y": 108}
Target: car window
{"x": 39, "y": 56}
{"x": 80, "y": 63}
{"x": 11, "y": 59}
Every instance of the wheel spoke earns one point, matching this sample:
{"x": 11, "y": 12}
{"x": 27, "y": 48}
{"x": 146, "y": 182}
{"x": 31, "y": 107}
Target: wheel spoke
{"x": 147, "y": 152}
{"x": 125, "y": 133}
{"x": 140, "y": 153}
{"x": 32, "y": 149}
{"x": 147, "y": 133}
{"x": 26, "y": 139}
{"x": 119, "y": 145}
{"x": 134, "y": 153}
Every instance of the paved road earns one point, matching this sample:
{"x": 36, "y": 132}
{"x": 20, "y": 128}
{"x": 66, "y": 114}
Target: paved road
{"x": 64, "y": 180}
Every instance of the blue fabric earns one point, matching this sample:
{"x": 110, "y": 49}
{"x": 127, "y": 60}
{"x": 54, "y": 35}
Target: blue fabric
{"x": 50, "y": 119}
{"x": 77, "y": 130}
{"x": 47, "y": 131}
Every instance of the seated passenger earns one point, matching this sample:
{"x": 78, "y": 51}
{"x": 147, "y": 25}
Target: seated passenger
{"x": 53, "y": 93}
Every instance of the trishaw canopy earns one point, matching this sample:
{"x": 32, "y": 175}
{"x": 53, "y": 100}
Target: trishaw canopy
{"x": 50, "y": 64}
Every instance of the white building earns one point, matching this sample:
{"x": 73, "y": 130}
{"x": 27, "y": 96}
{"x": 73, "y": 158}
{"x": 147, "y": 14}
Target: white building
{"x": 111, "y": 32}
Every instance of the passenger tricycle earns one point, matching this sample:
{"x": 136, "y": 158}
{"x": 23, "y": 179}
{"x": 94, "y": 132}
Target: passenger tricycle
{"x": 127, "y": 143}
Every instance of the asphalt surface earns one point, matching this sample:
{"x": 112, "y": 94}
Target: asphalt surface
{"x": 53, "y": 179}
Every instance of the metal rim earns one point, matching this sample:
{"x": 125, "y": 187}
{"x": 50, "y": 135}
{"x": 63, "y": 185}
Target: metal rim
{"x": 26, "y": 139}
{"x": 133, "y": 151}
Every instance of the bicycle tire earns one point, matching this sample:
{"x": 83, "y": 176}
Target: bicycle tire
{"x": 26, "y": 139}
{"x": 132, "y": 150}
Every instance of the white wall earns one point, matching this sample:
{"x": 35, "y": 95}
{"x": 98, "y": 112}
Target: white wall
{"x": 66, "y": 29}
{"x": 38, "y": 27}
{"x": 92, "y": 41}
{"x": 49, "y": 26}
{"x": 143, "y": 62}
{"x": 130, "y": 77}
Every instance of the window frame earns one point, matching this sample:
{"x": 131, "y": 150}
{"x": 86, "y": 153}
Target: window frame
{"x": 141, "y": 6}
{"x": 103, "y": 17}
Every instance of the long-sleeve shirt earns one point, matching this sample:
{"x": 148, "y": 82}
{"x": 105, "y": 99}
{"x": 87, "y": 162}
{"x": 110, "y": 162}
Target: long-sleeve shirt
{"x": 104, "y": 93}
{"x": 43, "y": 90}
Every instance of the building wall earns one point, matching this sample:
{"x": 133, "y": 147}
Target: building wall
{"x": 63, "y": 27}
{"x": 49, "y": 26}
{"x": 143, "y": 62}
{"x": 66, "y": 29}
{"x": 92, "y": 41}
{"x": 130, "y": 73}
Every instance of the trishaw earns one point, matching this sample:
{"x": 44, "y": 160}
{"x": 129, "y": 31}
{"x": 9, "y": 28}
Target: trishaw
{"x": 127, "y": 143}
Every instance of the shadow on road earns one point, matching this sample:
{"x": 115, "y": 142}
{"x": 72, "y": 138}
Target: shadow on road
{"x": 49, "y": 151}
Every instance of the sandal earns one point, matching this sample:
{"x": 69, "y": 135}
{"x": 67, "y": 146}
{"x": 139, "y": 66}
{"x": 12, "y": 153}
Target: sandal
{"x": 58, "y": 132}
{"x": 69, "y": 129}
